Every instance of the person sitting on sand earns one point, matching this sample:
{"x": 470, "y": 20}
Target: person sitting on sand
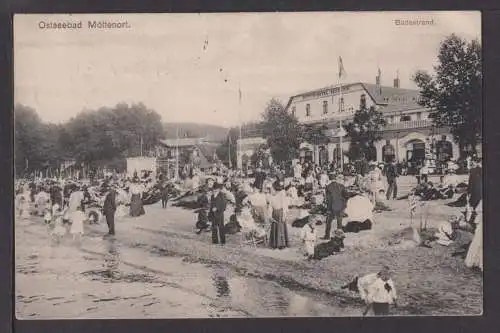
{"x": 333, "y": 246}
{"x": 247, "y": 222}
{"x": 446, "y": 232}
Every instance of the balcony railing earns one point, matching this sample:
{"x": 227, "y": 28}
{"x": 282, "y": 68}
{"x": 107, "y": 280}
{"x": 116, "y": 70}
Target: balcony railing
{"x": 408, "y": 125}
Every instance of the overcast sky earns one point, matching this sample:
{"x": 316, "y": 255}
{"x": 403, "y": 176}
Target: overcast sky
{"x": 162, "y": 59}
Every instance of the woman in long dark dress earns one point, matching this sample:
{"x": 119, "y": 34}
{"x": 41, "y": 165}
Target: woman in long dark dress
{"x": 136, "y": 207}
{"x": 279, "y": 202}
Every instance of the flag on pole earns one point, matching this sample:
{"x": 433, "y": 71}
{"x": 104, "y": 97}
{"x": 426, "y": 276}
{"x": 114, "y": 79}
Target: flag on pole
{"x": 342, "y": 72}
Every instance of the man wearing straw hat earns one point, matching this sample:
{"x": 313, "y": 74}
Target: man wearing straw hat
{"x": 336, "y": 201}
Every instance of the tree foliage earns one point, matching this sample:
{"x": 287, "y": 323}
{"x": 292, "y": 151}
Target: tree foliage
{"x": 282, "y": 131}
{"x": 315, "y": 134}
{"x": 109, "y": 133}
{"x": 93, "y": 137}
{"x": 363, "y": 131}
{"x": 454, "y": 92}
{"x": 37, "y": 144}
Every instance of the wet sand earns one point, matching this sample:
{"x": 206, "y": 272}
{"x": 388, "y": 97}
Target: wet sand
{"x": 158, "y": 268}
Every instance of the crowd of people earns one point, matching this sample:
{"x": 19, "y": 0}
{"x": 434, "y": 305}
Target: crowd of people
{"x": 257, "y": 206}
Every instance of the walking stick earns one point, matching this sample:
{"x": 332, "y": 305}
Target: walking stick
{"x": 426, "y": 216}
{"x": 421, "y": 213}
{"x": 367, "y": 309}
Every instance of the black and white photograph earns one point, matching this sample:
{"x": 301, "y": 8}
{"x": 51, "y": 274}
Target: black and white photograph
{"x": 248, "y": 165}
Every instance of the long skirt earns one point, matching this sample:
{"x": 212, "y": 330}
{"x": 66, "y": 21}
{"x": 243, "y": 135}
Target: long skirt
{"x": 136, "y": 207}
{"x": 474, "y": 256}
{"x": 278, "y": 238}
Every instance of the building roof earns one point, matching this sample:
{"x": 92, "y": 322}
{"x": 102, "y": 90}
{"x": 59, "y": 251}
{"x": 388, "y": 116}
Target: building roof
{"x": 382, "y": 95}
{"x": 391, "y": 95}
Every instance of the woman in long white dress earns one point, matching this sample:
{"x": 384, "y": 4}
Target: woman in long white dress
{"x": 474, "y": 258}
{"x": 279, "y": 203}
{"x": 136, "y": 207}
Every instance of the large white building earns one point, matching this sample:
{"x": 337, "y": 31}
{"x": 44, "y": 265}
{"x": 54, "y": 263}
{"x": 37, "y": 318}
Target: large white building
{"x": 408, "y": 130}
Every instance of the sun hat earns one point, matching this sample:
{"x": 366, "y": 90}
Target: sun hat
{"x": 339, "y": 233}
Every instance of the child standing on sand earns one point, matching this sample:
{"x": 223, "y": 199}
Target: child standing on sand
{"x": 77, "y": 218}
{"x": 59, "y": 230}
{"x": 377, "y": 290}
{"x": 308, "y": 237}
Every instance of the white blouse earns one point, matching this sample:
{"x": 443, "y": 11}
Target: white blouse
{"x": 280, "y": 201}
{"x": 372, "y": 289}
{"x": 377, "y": 293}
{"x": 136, "y": 189}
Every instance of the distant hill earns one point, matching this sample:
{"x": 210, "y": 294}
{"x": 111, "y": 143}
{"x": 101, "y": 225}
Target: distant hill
{"x": 195, "y": 130}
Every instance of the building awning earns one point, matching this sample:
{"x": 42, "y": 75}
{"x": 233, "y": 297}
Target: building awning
{"x": 182, "y": 142}
{"x": 306, "y": 146}
{"x": 335, "y": 132}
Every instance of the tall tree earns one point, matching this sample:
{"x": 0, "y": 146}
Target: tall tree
{"x": 454, "y": 92}
{"x": 282, "y": 131}
{"x": 363, "y": 131}
{"x": 28, "y": 137}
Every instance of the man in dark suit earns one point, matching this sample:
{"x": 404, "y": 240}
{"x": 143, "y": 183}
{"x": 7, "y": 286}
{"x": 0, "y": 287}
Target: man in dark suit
{"x": 217, "y": 207}
{"x": 109, "y": 209}
{"x": 336, "y": 202}
{"x": 475, "y": 187}
{"x": 165, "y": 189}
{"x": 391, "y": 172}
{"x": 260, "y": 176}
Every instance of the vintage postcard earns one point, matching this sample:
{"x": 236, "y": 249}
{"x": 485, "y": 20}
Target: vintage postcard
{"x": 321, "y": 164}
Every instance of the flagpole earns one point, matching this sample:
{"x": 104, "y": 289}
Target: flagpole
{"x": 341, "y": 69}
{"x": 141, "y": 144}
{"x": 239, "y": 157}
{"x": 229, "y": 149}
{"x": 176, "y": 152}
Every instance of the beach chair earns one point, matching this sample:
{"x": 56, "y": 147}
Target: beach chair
{"x": 248, "y": 237}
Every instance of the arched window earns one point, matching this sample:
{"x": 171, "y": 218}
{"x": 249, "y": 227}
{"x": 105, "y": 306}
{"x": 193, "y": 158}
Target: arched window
{"x": 323, "y": 156}
{"x": 388, "y": 152}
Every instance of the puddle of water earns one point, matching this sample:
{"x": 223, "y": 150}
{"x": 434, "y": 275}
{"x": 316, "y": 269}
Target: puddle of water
{"x": 228, "y": 290}
{"x": 225, "y": 290}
